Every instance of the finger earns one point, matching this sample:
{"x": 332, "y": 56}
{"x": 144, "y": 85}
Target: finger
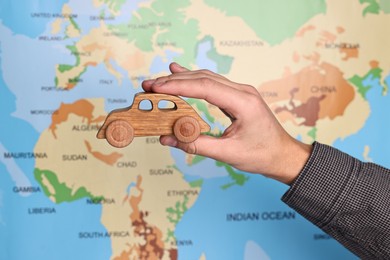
{"x": 205, "y": 145}
{"x": 229, "y": 99}
{"x": 147, "y": 85}
{"x": 179, "y": 72}
{"x": 182, "y": 73}
{"x": 175, "y": 68}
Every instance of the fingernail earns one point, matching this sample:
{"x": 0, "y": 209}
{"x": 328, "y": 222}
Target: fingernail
{"x": 158, "y": 83}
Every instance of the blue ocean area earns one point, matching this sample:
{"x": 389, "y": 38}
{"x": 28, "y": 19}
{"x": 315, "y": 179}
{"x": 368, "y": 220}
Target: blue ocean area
{"x": 375, "y": 133}
{"x": 160, "y": 64}
{"x": 22, "y": 16}
{"x": 202, "y": 60}
{"x": 47, "y": 236}
{"x": 18, "y": 135}
{"x": 23, "y": 69}
{"x": 207, "y": 226}
{"x": 32, "y": 232}
{"x": 206, "y": 169}
{"x": 16, "y": 51}
{"x": 87, "y": 21}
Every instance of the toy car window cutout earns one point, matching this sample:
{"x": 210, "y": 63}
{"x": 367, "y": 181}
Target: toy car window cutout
{"x": 145, "y": 105}
{"x": 166, "y": 105}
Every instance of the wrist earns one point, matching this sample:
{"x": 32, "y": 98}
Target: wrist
{"x": 294, "y": 158}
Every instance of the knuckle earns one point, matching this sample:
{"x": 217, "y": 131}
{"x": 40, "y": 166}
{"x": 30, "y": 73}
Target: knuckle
{"x": 251, "y": 89}
{"x": 205, "y": 71}
{"x": 254, "y": 102}
{"x": 206, "y": 82}
{"x": 253, "y": 99}
{"x": 189, "y": 148}
{"x": 165, "y": 78}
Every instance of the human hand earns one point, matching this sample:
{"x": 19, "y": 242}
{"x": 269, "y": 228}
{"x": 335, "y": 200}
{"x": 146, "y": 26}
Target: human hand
{"x": 254, "y": 142}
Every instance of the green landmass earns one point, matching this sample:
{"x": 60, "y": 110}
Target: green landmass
{"x": 385, "y": 6}
{"x": 174, "y": 167}
{"x": 238, "y": 178}
{"x": 76, "y": 79}
{"x": 170, "y": 236}
{"x": 224, "y": 62}
{"x": 74, "y": 24}
{"x": 358, "y": 81}
{"x": 176, "y": 213}
{"x": 102, "y": 14}
{"x": 169, "y": 22}
{"x": 273, "y": 21}
{"x": 219, "y": 134}
{"x": 61, "y": 193}
{"x": 73, "y": 51}
{"x": 313, "y": 133}
{"x": 197, "y": 183}
{"x": 197, "y": 159}
{"x": 66, "y": 67}
{"x": 375, "y": 6}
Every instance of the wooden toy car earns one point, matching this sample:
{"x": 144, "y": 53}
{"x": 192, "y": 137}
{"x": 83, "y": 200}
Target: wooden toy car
{"x": 122, "y": 125}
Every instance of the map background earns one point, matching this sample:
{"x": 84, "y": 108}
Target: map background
{"x": 27, "y": 64}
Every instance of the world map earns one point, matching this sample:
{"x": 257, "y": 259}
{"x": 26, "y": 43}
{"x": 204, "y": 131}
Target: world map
{"x": 323, "y": 67}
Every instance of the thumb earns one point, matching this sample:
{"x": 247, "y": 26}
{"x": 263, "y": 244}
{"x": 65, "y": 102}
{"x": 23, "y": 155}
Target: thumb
{"x": 205, "y": 145}
{"x": 175, "y": 67}
{"x": 171, "y": 140}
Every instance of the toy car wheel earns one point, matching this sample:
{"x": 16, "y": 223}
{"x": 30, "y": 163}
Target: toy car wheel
{"x": 186, "y": 129}
{"x": 119, "y": 133}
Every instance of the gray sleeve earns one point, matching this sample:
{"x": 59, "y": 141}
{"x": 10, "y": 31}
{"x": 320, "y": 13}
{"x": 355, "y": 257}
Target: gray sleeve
{"x": 346, "y": 198}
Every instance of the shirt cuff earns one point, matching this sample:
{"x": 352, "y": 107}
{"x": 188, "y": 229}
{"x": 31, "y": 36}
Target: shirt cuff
{"x": 323, "y": 184}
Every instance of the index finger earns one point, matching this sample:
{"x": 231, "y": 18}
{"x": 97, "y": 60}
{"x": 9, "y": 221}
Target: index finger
{"x": 179, "y": 72}
{"x": 225, "y": 97}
